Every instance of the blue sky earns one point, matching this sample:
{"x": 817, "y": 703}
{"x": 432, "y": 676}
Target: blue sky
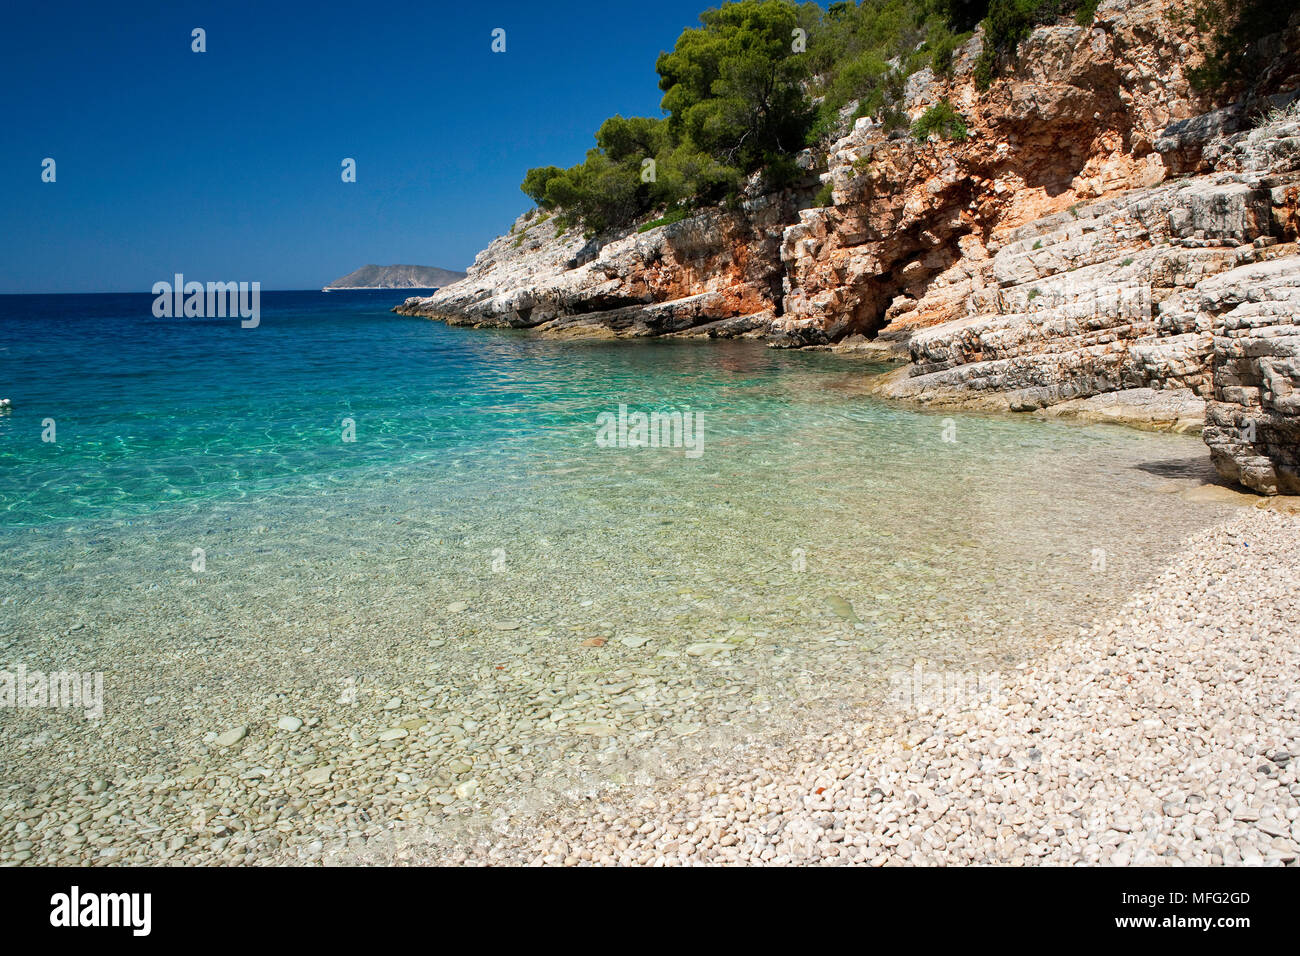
{"x": 225, "y": 165}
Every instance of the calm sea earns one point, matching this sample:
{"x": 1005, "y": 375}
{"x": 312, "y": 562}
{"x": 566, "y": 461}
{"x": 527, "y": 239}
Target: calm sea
{"x": 342, "y": 508}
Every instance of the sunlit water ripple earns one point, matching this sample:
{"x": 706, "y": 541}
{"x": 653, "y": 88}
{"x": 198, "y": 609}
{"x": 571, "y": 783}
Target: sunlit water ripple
{"x": 475, "y": 477}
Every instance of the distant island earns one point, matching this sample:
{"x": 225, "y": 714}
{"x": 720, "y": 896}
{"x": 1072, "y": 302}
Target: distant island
{"x": 397, "y": 277}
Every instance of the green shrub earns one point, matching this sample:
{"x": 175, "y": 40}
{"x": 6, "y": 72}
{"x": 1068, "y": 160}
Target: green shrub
{"x": 1010, "y": 21}
{"x": 1230, "y": 30}
{"x": 536, "y": 181}
{"x": 941, "y": 53}
{"x": 677, "y": 215}
{"x": 893, "y": 119}
{"x": 825, "y": 123}
{"x": 598, "y": 193}
{"x": 942, "y": 119}
{"x": 688, "y": 174}
{"x": 823, "y": 197}
{"x": 779, "y": 171}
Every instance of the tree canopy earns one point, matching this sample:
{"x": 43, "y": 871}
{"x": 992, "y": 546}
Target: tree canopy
{"x": 756, "y": 82}
{"x": 736, "y": 87}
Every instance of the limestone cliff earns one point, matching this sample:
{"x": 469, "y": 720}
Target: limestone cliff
{"x": 1105, "y": 241}
{"x": 719, "y": 272}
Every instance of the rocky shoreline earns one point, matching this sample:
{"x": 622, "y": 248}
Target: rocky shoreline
{"x": 1104, "y": 232}
{"x": 1166, "y": 735}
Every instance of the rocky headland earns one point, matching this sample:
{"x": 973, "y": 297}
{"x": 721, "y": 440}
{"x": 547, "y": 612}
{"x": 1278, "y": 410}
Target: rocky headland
{"x": 1107, "y": 242}
{"x": 397, "y": 277}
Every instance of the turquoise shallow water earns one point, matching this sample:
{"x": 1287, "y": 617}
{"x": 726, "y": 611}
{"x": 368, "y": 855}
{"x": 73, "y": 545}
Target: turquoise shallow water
{"x": 625, "y": 610}
{"x": 151, "y": 412}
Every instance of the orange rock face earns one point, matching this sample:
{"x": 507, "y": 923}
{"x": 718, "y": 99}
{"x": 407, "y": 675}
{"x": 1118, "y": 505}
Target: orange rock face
{"x": 913, "y": 227}
{"x": 1083, "y": 114}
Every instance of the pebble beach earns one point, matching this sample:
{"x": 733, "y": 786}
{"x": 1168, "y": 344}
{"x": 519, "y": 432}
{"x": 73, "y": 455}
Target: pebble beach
{"x": 473, "y": 633}
{"x": 1161, "y": 734}
{"x": 1165, "y": 736}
